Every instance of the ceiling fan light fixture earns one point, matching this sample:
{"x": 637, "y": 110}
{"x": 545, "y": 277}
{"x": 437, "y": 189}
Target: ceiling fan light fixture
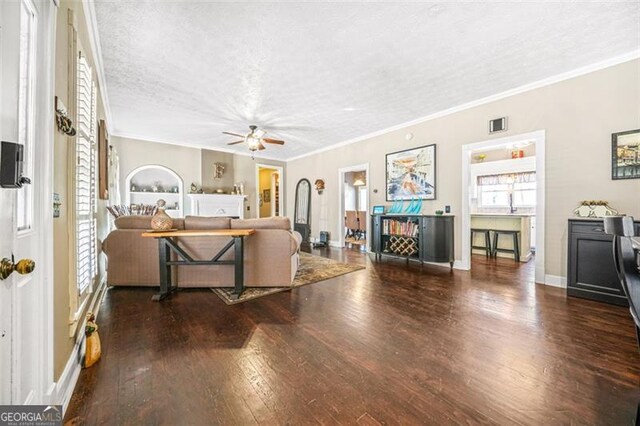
{"x": 253, "y": 142}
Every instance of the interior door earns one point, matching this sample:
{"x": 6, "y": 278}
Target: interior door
{"x": 25, "y": 99}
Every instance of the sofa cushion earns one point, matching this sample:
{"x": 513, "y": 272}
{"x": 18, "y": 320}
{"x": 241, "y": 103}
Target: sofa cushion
{"x": 142, "y": 222}
{"x": 264, "y": 223}
{"x": 202, "y": 222}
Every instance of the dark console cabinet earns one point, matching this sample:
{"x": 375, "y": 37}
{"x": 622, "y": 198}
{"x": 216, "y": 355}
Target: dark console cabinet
{"x": 423, "y": 238}
{"x": 591, "y": 273}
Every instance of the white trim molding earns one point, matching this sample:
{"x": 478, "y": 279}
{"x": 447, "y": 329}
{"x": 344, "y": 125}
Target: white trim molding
{"x": 342, "y": 171}
{"x": 62, "y": 390}
{"x": 280, "y": 171}
{"x": 555, "y": 281}
{"x": 539, "y": 138}
{"x": 515, "y": 91}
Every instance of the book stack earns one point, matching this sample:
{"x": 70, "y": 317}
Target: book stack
{"x": 400, "y": 228}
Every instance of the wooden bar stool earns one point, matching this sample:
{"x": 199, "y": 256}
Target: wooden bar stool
{"x": 515, "y": 235}
{"x": 487, "y": 240}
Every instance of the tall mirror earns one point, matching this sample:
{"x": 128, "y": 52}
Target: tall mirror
{"x": 303, "y": 210}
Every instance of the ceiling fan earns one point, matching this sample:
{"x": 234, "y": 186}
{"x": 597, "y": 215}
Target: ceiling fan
{"x": 255, "y": 139}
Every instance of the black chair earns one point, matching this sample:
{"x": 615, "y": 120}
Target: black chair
{"x": 487, "y": 240}
{"x": 515, "y": 236}
{"x": 625, "y": 256}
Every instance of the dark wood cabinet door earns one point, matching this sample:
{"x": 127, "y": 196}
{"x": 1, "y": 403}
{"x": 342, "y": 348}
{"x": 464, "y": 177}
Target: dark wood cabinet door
{"x": 437, "y": 239}
{"x": 592, "y": 272}
{"x": 375, "y": 233}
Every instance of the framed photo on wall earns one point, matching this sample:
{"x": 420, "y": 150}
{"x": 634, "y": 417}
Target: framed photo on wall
{"x": 625, "y": 155}
{"x": 411, "y": 174}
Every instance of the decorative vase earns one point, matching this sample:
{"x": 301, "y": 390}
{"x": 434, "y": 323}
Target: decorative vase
{"x": 161, "y": 221}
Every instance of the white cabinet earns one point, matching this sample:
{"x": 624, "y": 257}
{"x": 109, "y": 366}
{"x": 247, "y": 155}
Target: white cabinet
{"x": 148, "y": 184}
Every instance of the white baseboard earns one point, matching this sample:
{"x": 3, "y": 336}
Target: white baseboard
{"x": 62, "y": 390}
{"x": 67, "y": 382}
{"x": 457, "y": 264}
{"x": 555, "y": 281}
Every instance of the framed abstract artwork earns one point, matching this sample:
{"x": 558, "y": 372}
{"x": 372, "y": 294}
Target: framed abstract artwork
{"x": 411, "y": 174}
{"x": 625, "y": 155}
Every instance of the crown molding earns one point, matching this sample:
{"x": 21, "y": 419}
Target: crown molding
{"x": 194, "y": 146}
{"x": 94, "y": 39}
{"x": 512, "y": 92}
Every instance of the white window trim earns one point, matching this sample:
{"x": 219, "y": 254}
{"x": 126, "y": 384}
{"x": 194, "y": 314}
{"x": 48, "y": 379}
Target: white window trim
{"x": 78, "y": 300}
{"x": 27, "y": 139}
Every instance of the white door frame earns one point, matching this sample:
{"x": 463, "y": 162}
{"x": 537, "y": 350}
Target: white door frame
{"x": 539, "y": 137}
{"x": 280, "y": 171}
{"x": 341, "y": 172}
{"x": 37, "y": 243}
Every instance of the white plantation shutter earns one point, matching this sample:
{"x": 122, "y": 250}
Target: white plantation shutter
{"x": 85, "y": 178}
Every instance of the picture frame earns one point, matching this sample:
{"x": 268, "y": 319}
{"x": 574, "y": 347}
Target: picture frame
{"x": 411, "y": 174}
{"x": 625, "y": 155}
{"x": 266, "y": 195}
{"x": 103, "y": 161}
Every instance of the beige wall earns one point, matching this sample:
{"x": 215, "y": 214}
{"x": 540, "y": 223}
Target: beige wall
{"x": 578, "y": 115}
{"x": 63, "y": 344}
{"x": 133, "y": 153}
{"x": 209, "y": 158}
{"x": 192, "y": 165}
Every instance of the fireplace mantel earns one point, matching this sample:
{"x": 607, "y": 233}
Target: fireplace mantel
{"x": 217, "y": 205}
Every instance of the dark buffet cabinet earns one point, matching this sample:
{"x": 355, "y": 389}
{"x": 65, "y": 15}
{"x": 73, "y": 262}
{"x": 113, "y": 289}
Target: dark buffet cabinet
{"x": 591, "y": 273}
{"x": 425, "y": 238}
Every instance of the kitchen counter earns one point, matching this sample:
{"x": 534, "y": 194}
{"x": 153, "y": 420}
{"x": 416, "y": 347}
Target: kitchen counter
{"x": 504, "y": 222}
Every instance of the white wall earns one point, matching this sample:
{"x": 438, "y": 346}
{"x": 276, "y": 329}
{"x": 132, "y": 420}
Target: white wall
{"x": 578, "y": 115}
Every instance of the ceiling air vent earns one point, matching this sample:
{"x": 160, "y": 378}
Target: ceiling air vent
{"x": 498, "y": 125}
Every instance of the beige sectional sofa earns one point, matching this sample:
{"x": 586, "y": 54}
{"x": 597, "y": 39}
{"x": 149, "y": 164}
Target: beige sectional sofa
{"x": 271, "y": 253}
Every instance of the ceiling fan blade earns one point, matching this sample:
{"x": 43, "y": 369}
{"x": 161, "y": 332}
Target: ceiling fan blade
{"x": 236, "y": 142}
{"x": 276, "y": 141}
{"x": 233, "y": 134}
{"x": 261, "y": 147}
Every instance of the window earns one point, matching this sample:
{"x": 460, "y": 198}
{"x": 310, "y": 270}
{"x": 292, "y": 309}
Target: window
{"x": 26, "y": 93}
{"x": 507, "y": 190}
{"x": 85, "y": 177}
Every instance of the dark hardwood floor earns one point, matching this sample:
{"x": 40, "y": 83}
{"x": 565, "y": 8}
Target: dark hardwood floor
{"x": 390, "y": 344}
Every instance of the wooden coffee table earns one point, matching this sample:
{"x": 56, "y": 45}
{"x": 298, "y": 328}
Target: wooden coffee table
{"x": 168, "y": 241}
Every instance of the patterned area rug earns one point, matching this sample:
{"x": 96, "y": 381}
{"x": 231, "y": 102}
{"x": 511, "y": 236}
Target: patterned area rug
{"x": 312, "y": 269}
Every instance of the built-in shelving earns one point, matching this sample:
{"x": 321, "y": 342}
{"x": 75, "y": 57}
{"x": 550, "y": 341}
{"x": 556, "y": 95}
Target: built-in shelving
{"x": 147, "y": 184}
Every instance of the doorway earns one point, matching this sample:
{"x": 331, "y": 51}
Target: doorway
{"x": 268, "y": 190}
{"x": 354, "y": 206}
{"x": 503, "y": 190}
{"x": 26, "y": 220}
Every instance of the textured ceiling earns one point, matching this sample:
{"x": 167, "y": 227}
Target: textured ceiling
{"x": 317, "y": 74}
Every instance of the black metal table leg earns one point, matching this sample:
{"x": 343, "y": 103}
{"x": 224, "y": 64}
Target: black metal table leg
{"x": 165, "y": 271}
{"x": 238, "y": 261}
